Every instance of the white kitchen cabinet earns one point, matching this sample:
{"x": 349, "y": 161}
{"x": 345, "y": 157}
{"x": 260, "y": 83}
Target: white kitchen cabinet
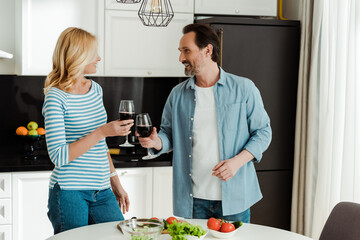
{"x": 162, "y": 192}
{"x": 126, "y": 46}
{"x": 179, "y": 6}
{"x": 5, "y": 206}
{"x": 24, "y": 199}
{"x": 7, "y": 36}
{"x": 132, "y": 49}
{"x": 237, "y": 7}
{"x": 5, "y": 211}
{"x": 5, "y": 232}
{"x": 39, "y": 24}
{"x": 137, "y": 182}
{"x": 149, "y": 190}
{"x": 30, "y": 197}
{"x": 29, "y": 202}
{"x": 5, "y": 185}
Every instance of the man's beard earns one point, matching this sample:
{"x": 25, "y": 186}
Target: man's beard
{"x": 192, "y": 69}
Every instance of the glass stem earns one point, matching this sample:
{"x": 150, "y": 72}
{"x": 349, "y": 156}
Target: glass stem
{"x": 126, "y": 137}
{"x": 148, "y": 150}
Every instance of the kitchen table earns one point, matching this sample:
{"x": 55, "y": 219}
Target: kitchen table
{"x": 109, "y": 231}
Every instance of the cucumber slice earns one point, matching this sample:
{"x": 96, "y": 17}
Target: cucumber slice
{"x": 237, "y": 224}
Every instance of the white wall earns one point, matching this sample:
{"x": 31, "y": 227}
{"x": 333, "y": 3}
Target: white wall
{"x": 7, "y": 35}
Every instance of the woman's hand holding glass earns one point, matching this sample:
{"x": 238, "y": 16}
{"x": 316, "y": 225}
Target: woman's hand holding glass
{"x": 117, "y": 128}
{"x": 126, "y": 111}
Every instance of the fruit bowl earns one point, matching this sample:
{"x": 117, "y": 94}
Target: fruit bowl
{"x": 189, "y": 237}
{"x": 31, "y": 137}
{"x": 31, "y": 145}
{"x": 223, "y": 235}
{"x": 141, "y": 229}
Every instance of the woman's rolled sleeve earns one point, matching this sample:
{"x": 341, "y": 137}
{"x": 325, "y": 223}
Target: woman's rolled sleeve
{"x": 53, "y": 112}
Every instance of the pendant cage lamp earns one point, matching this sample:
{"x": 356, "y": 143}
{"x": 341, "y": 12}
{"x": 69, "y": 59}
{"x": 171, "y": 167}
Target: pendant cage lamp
{"x": 157, "y": 13}
{"x": 128, "y": 1}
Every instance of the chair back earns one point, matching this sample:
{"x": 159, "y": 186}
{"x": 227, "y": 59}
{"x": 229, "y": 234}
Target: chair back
{"x": 343, "y": 223}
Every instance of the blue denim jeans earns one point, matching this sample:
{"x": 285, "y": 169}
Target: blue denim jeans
{"x": 205, "y": 209}
{"x": 70, "y": 209}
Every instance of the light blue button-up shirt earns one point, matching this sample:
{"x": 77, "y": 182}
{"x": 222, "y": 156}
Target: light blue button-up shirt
{"x": 242, "y": 124}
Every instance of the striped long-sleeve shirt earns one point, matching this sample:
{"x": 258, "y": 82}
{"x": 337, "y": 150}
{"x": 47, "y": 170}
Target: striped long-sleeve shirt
{"x": 69, "y": 117}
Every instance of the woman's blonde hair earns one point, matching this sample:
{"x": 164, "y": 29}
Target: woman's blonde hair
{"x": 74, "y": 49}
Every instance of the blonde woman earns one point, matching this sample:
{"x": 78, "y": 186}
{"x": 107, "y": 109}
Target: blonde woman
{"x": 76, "y": 128}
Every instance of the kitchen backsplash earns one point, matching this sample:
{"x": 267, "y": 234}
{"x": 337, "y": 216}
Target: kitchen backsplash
{"x": 22, "y": 99}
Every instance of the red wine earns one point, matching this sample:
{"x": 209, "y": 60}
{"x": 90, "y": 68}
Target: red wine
{"x": 126, "y": 116}
{"x": 144, "y": 131}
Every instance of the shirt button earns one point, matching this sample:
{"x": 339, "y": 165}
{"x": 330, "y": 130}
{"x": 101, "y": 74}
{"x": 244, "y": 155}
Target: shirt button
{"x": 190, "y": 174}
{"x": 189, "y": 156}
{"x": 190, "y": 138}
{"x": 190, "y": 194}
{"x": 194, "y": 99}
{"x": 192, "y": 119}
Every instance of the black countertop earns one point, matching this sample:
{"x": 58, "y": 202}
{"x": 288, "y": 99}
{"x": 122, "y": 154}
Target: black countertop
{"x": 128, "y": 158}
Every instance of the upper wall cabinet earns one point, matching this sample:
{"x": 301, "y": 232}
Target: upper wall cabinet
{"x": 7, "y": 36}
{"x": 179, "y": 6}
{"x": 237, "y": 7}
{"x": 127, "y": 48}
{"x": 132, "y": 49}
{"x": 39, "y": 24}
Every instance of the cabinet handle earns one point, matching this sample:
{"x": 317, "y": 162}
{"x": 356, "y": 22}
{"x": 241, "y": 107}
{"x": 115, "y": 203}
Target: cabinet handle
{"x": 149, "y": 73}
{"x": 221, "y": 32}
{"x": 123, "y": 173}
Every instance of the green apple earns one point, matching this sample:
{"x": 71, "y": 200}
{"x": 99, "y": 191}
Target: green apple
{"x": 33, "y": 132}
{"x": 32, "y": 125}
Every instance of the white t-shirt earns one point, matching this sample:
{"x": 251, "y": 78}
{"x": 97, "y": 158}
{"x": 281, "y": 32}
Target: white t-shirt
{"x": 205, "y": 146}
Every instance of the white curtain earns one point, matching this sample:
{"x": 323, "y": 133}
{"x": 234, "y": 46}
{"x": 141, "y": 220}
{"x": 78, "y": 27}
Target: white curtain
{"x": 329, "y": 169}
{"x": 301, "y": 207}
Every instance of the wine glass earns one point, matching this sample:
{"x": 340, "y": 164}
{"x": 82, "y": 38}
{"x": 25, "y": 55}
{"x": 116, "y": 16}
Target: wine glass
{"x": 144, "y": 128}
{"x": 126, "y": 111}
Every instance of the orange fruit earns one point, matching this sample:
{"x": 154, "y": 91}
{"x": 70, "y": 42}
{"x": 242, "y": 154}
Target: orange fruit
{"x": 41, "y": 131}
{"x": 22, "y": 131}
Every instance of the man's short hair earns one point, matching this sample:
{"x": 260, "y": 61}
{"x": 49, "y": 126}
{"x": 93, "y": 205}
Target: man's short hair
{"x": 205, "y": 35}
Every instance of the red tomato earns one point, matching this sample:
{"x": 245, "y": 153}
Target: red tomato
{"x": 213, "y": 224}
{"x": 155, "y": 218}
{"x": 171, "y": 219}
{"x": 227, "y": 227}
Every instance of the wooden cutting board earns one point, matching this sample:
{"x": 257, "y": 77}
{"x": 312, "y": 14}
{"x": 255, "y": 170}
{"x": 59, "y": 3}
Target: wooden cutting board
{"x": 118, "y": 227}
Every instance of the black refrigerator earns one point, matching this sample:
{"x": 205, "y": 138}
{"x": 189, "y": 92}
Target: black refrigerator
{"x": 267, "y": 52}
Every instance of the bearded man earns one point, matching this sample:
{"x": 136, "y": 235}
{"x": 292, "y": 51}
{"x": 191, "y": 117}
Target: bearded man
{"x": 217, "y": 127}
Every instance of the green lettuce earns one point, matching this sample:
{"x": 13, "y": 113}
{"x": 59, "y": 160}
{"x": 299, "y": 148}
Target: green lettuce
{"x": 178, "y": 230}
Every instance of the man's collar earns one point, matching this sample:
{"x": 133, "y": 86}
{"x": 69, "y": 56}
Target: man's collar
{"x": 222, "y": 77}
{"x": 191, "y": 82}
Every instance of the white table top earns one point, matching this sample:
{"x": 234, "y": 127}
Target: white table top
{"x": 109, "y": 231}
